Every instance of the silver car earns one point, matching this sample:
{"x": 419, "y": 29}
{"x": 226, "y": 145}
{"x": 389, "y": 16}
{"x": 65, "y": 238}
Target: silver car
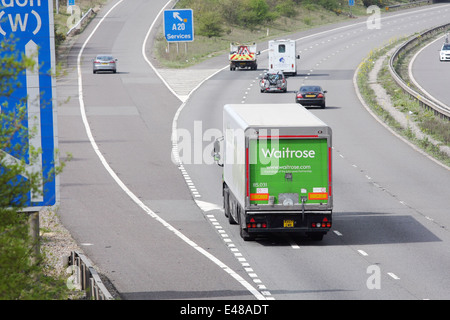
{"x": 104, "y": 62}
{"x": 273, "y": 81}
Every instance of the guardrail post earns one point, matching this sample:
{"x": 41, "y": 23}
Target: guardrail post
{"x": 88, "y": 278}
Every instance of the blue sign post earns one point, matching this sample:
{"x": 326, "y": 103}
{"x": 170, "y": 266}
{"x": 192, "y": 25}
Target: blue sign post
{"x": 29, "y": 25}
{"x": 179, "y": 25}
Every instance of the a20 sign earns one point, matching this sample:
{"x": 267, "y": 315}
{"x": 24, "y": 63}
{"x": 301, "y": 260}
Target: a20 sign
{"x": 179, "y": 25}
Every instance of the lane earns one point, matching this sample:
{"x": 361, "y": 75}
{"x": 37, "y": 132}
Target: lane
{"x": 130, "y": 115}
{"x": 388, "y": 211}
{"x": 428, "y": 72}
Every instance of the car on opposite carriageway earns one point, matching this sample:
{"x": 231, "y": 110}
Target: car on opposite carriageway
{"x": 444, "y": 54}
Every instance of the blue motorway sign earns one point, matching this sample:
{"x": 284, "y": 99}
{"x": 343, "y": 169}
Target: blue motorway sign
{"x": 179, "y": 25}
{"x": 28, "y": 24}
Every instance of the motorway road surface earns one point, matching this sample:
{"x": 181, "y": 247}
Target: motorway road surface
{"x": 155, "y": 228}
{"x": 430, "y": 74}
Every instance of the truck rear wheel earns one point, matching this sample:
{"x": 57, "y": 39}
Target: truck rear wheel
{"x": 226, "y": 202}
{"x": 231, "y": 219}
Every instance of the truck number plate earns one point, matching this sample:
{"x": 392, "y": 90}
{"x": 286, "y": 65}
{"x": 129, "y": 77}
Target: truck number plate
{"x": 288, "y": 223}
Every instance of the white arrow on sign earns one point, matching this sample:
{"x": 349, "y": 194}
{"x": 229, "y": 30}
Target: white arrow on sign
{"x": 34, "y": 121}
{"x": 34, "y": 114}
{"x": 176, "y": 15}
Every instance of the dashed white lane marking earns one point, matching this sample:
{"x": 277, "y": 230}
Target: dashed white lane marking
{"x": 127, "y": 191}
{"x": 363, "y": 253}
{"x": 232, "y": 247}
{"x": 393, "y": 276}
{"x": 185, "y": 97}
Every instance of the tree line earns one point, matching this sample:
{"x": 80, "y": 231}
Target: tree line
{"x": 213, "y": 17}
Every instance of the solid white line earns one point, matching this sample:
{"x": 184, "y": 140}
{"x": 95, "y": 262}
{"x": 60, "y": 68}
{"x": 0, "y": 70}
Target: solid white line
{"x": 94, "y": 145}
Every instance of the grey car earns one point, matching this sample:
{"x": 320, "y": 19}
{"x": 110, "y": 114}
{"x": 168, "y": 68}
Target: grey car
{"x": 104, "y": 62}
{"x": 273, "y": 81}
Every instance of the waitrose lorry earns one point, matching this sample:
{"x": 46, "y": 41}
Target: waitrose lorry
{"x": 276, "y": 162}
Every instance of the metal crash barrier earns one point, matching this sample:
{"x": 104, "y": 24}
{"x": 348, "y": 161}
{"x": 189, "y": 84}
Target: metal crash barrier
{"x": 86, "y": 278}
{"x": 440, "y": 110}
{"x": 410, "y": 4}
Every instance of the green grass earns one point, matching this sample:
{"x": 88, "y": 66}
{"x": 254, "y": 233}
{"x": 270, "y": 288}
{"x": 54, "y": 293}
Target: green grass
{"x": 308, "y": 16}
{"x": 430, "y": 124}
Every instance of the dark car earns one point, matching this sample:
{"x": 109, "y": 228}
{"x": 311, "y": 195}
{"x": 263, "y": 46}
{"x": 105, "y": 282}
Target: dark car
{"x": 310, "y": 96}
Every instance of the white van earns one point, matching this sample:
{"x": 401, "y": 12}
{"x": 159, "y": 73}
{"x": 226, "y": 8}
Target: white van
{"x": 283, "y": 56}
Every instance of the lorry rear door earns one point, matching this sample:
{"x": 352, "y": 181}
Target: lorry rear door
{"x": 289, "y": 170}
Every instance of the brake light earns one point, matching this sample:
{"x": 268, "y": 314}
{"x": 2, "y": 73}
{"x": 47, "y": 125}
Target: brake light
{"x": 252, "y": 224}
{"x": 299, "y": 95}
{"x": 324, "y": 224}
{"x": 320, "y": 95}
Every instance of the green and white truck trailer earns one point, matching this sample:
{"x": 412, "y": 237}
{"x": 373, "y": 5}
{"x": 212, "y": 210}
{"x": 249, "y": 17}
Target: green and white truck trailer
{"x": 277, "y": 172}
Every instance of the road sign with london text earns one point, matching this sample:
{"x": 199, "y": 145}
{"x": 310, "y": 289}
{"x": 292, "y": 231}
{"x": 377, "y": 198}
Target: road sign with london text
{"x": 28, "y": 24}
{"x": 179, "y": 25}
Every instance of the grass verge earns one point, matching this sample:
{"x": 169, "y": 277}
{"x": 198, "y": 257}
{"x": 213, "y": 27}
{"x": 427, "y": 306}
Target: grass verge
{"x": 431, "y": 125}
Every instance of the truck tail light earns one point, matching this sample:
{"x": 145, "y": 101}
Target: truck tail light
{"x": 253, "y": 224}
{"x": 324, "y": 224}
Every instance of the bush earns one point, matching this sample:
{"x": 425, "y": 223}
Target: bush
{"x": 254, "y": 13}
{"x": 210, "y": 24}
{"x": 286, "y": 8}
{"x": 21, "y": 272}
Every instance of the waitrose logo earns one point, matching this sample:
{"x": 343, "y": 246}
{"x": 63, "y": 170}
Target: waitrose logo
{"x": 286, "y": 153}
